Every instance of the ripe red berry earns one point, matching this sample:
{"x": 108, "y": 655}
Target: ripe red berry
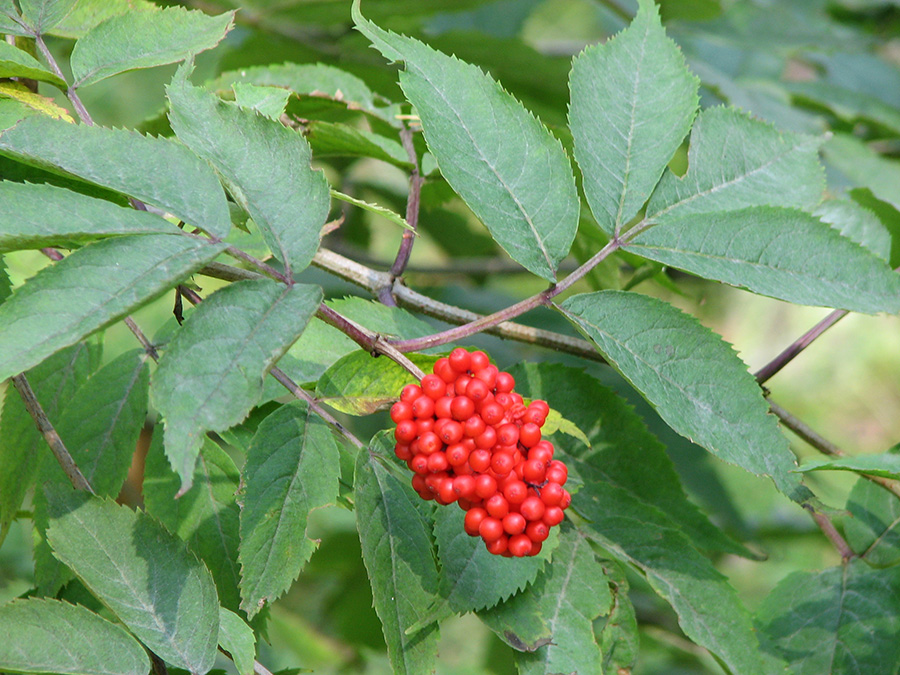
{"x": 537, "y": 531}
{"x": 402, "y": 450}
{"x": 424, "y": 425}
{"x": 474, "y": 426}
{"x": 423, "y": 407}
{"x": 444, "y": 370}
{"x": 485, "y": 486}
{"x": 462, "y": 408}
{"x": 507, "y": 434}
{"x": 464, "y": 486}
{"x": 405, "y": 431}
{"x": 542, "y": 452}
{"x": 429, "y": 443}
{"x": 490, "y": 529}
{"x": 497, "y": 506}
{"x": 473, "y": 519}
{"x": 502, "y": 463}
{"x": 552, "y": 494}
{"x": 515, "y": 491}
{"x": 460, "y": 359}
{"x": 499, "y": 546}
{"x": 457, "y": 454}
{"x": 505, "y": 382}
{"x": 461, "y": 384}
{"x": 557, "y": 472}
{"x": 488, "y": 375}
{"x": 487, "y": 439}
{"x": 433, "y": 386}
{"x": 478, "y": 360}
{"x": 519, "y": 545}
{"x": 529, "y": 434}
{"x": 532, "y": 508}
{"x": 410, "y": 393}
{"x": 419, "y": 464}
{"x": 514, "y": 523}
{"x": 553, "y": 515}
{"x": 534, "y": 471}
{"x": 451, "y": 432}
{"x": 480, "y": 460}
{"x": 438, "y": 462}
{"x": 492, "y": 412}
{"x": 400, "y": 411}
{"x": 477, "y": 390}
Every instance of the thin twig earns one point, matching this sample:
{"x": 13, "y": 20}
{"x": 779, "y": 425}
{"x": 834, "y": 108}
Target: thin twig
{"x": 833, "y": 535}
{"x": 260, "y": 669}
{"x": 82, "y": 112}
{"x": 785, "y": 357}
{"x": 148, "y": 346}
{"x": 412, "y": 217}
{"x": 260, "y": 265}
{"x": 44, "y": 426}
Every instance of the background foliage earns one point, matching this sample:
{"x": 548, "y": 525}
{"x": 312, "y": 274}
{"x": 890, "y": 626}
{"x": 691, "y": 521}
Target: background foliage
{"x": 708, "y": 147}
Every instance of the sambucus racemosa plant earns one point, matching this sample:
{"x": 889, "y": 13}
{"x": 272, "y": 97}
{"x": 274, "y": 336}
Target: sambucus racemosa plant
{"x": 235, "y": 472}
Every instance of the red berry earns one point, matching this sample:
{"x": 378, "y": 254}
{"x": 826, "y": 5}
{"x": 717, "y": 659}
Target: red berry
{"x": 438, "y": 462}
{"x": 480, "y": 460}
{"x": 485, "y": 486}
{"x": 405, "y": 431}
{"x": 514, "y": 523}
{"x": 529, "y": 434}
{"x": 403, "y": 451}
{"x": 566, "y": 499}
{"x": 423, "y": 426}
{"x": 557, "y": 472}
{"x": 552, "y": 494}
{"x": 535, "y": 548}
{"x": 478, "y": 360}
{"x": 488, "y": 375}
{"x": 553, "y": 515}
{"x": 433, "y": 386}
{"x": 519, "y": 545}
{"x": 505, "y": 382}
{"x": 497, "y": 506}
{"x": 507, "y": 434}
{"x": 461, "y": 384}
{"x": 473, "y": 519}
{"x": 477, "y": 390}
{"x": 504, "y": 400}
{"x": 490, "y": 529}
{"x": 423, "y": 407}
{"x": 419, "y": 464}
{"x": 410, "y": 393}
{"x": 464, "y": 486}
{"x": 542, "y": 452}
{"x": 442, "y": 407}
{"x": 429, "y": 443}
{"x": 474, "y": 426}
{"x": 515, "y": 491}
{"x": 446, "y": 494}
{"x": 460, "y": 359}
{"x": 534, "y": 471}
{"x": 537, "y": 531}
{"x": 444, "y": 370}
{"x": 462, "y": 408}
{"x": 498, "y": 546}
{"x": 502, "y": 463}
{"x": 457, "y": 454}
{"x": 532, "y": 508}
{"x": 487, "y": 440}
{"x": 451, "y": 432}
{"x": 400, "y": 411}
{"x": 492, "y": 412}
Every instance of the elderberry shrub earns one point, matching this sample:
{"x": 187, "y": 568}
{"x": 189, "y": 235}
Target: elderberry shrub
{"x": 469, "y": 438}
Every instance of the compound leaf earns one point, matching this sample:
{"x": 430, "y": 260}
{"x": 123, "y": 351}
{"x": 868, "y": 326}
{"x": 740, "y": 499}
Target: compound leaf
{"x": 509, "y": 169}
{"x": 783, "y": 253}
{"x": 140, "y": 571}
{"x": 212, "y": 373}
{"x": 633, "y": 101}
{"x": 17, "y": 63}
{"x": 840, "y": 620}
{"x": 264, "y": 164}
{"x": 158, "y": 171}
{"x": 399, "y": 557}
{"x": 736, "y": 161}
{"x": 49, "y": 636}
{"x": 89, "y": 289}
{"x": 35, "y": 216}
{"x": 145, "y": 39}
{"x": 690, "y": 376}
{"x": 42, "y": 15}
{"x": 292, "y": 468}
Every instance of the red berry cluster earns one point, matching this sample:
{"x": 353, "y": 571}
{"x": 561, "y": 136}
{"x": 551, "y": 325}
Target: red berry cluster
{"x": 470, "y": 439}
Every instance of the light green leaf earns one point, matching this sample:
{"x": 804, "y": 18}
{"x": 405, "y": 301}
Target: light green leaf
{"x": 16, "y": 92}
{"x": 709, "y": 611}
{"x": 509, "y": 169}
{"x": 342, "y": 140}
{"x": 373, "y": 208}
{"x": 267, "y": 101}
{"x": 856, "y": 223}
{"x": 206, "y": 516}
{"x": 17, "y": 63}
{"x": 568, "y": 595}
{"x": 399, "y": 557}
{"x": 311, "y": 79}
{"x": 619, "y": 639}
{"x": 618, "y": 447}
{"x": 212, "y": 372}
{"x": 44, "y": 636}
{"x": 839, "y": 620}
{"x": 35, "y": 216}
{"x": 292, "y": 468}
{"x": 144, "y": 574}
{"x": 145, "y": 39}
{"x": 158, "y": 171}
{"x": 864, "y": 167}
{"x": 736, "y": 161}
{"x": 633, "y": 101}
{"x": 42, "y": 15}
{"x": 237, "y": 638}
{"x": 872, "y": 530}
{"x": 361, "y": 385}
{"x": 691, "y": 377}
{"x": 886, "y": 465}
{"x": 89, "y": 289}
{"x": 783, "y": 253}
{"x": 265, "y": 166}
{"x": 473, "y": 579}
{"x": 11, "y": 21}
{"x": 13, "y": 111}
{"x": 88, "y": 13}
{"x": 22, "y": 448}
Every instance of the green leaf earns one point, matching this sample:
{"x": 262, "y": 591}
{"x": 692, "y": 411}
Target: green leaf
{"x": 35, "y": 216}
{"x": 839, "y": 620}
{"x": 886, "y": 465}
{"x": 620, "y": 450}
{"x": 44, "y": 636}
{"x": 11, "y": 21}
{"x": 509, "y": 169}
{"x": 212, "y": 372}
{"x": 237, "y": 638}
{"x": 856, "y": 223}
{"x": 89, "y": 289}
{"x": 29, "y": 103}
{"x": 264, "y": 164}
{"x": 88, "y": 13}
{"x": 206, "y": 516}
{"x": 17, "y": 63}
{"x": 267, "y": 101}
{"x": 471, "y": 578}
{"x": 328, "y": 139}
{"x": 783, "y": 253}
{"x": 709, "y": 611}
{"x": 864, "y": 167}
{"x": 13, "y": 111}
{"x": 735, "y": 162}
{"x": 144, "y": 574}
{"x": 399, "y": 557}
{"x": 22, "y": 448}
{"x": 633, "y": 101}
{"x": 690, "y": 376}
{"x": 568, "y": 595}
{"x": 292, "y": 468}
{"x": 311, "y": 79}
{"x": 358, "y": 384}
{"x": 619, "y": 638}
{"x": 42, "y": 15}
{"x": 373, "y": 208}
{"x": 872, "y": 530}
{"x": 158, "y": 171}
{"x": 145, "y": 39}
